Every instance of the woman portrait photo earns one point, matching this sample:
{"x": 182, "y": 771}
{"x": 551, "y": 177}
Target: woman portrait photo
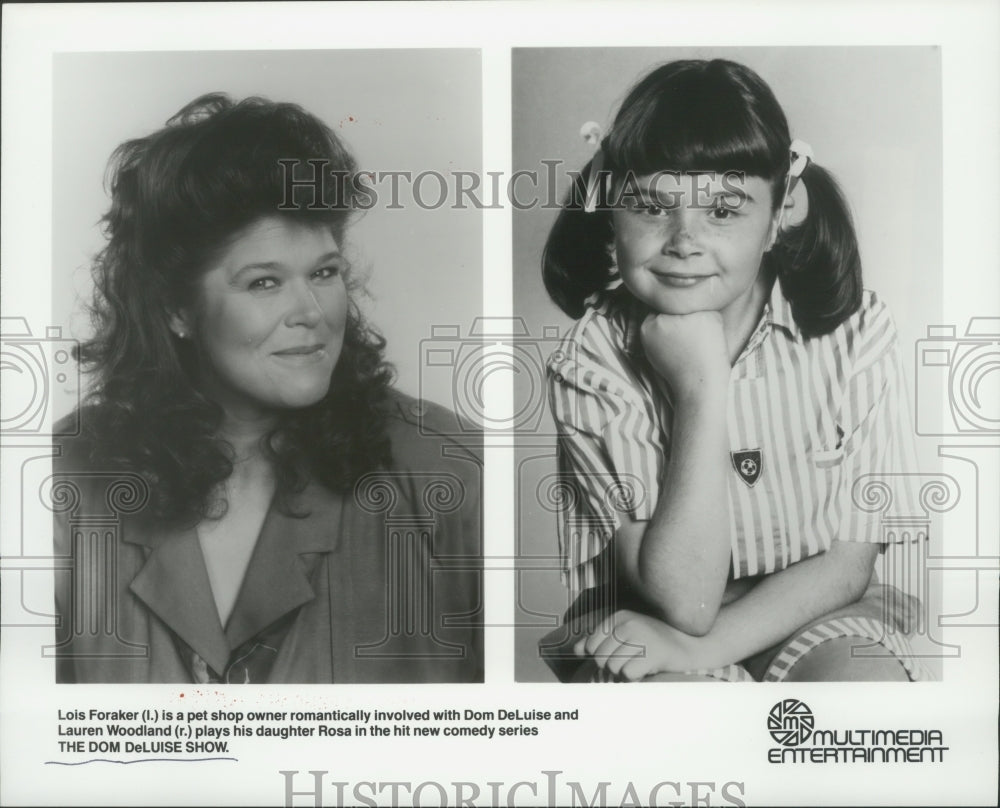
{"x": 283, "y": 507}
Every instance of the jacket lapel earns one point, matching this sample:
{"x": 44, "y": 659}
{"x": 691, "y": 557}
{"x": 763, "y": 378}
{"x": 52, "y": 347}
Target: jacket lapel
{"x": 278, "y": 577}
{"x": 174, "y": 584}
{"x": 173, "y": 581}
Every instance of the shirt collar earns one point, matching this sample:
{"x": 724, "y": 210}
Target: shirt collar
{"x": 778, "y": 311}
{"x": 625, "y": 314}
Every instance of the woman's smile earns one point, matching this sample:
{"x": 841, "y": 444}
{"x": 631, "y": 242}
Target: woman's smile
{"x": 302, "y": 351}
{"x": 303, "y": 357}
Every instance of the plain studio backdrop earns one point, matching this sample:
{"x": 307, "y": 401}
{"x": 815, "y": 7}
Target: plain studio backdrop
{"x": 873, "y": 118}
{"x": 397, "y": 110}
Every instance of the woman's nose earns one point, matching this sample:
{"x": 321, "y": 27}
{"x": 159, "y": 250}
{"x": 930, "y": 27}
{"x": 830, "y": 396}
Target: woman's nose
{"x": 679, "y": 240}
{"x": 306, "y": 308}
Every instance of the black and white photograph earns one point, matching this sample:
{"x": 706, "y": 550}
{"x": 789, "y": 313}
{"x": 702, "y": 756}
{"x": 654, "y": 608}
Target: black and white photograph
{"x": 734, "y": 475}
{"x": 273, "y": 482}
{"x": 500, "y": 403}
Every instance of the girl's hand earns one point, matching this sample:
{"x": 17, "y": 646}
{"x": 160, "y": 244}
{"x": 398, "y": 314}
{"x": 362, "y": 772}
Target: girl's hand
{"x": 635, "y": 646}
{"x": 687, "y": 350}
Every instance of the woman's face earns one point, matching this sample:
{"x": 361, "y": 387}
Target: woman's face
{"x": 268, "y": 320}
{"x": 693, "y": 242}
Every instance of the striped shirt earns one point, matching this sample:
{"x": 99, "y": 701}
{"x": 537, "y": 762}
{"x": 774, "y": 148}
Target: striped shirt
{"x": 808, "y": 421}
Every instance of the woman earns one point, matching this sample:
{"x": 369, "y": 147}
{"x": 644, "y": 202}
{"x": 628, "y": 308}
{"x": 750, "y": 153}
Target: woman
{"x": 278, "y": 512}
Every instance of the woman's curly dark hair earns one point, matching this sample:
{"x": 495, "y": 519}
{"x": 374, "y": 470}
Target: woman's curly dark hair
{"x": 177, "y": 196}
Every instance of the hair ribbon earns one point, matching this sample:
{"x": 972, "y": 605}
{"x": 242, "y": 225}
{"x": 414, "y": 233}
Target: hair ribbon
{"x": 591, "y": 133}
{"x": 800, "y": 155}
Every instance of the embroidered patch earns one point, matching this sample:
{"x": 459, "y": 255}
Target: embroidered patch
{"x": 748, "y": 464}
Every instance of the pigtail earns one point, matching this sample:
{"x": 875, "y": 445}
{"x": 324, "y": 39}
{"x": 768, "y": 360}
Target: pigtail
{"x": 577, "y": 258}
{"x": 817, "y": 262}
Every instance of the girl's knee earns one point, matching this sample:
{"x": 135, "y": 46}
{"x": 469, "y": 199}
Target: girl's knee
{"x": 589, "y": 672}
{"x": 680, "y": 677}
{"x": 836, "y": 661}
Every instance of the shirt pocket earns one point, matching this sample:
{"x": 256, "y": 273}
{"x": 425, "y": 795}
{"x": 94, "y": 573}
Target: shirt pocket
{"x": 829, "y": 458}
{"x": 829, "y": 446}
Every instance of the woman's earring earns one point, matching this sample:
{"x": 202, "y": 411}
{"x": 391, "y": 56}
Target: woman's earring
{"x": 177, "y": 323}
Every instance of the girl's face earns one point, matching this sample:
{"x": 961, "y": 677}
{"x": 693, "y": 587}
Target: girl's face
{"x": 268, "y": 319}
{"x": 694, "y": 242}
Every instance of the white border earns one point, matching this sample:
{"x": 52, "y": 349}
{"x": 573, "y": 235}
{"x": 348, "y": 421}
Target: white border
{"x": 638, "y": 735}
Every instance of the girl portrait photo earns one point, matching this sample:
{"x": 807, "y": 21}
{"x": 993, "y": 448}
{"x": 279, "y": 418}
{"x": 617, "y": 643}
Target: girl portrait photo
{"x": 276, "y": 498}
{"x": 731, "y": 374}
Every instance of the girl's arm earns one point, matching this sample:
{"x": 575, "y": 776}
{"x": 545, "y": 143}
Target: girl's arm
{"x": 637, "y": 645}
{"x": 876, "y": 427}
{"x": 678, "y": 561}
{"x": 787, "y": 600}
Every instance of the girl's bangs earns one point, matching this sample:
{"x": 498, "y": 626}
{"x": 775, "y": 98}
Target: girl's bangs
{"x": 695, "y": 131}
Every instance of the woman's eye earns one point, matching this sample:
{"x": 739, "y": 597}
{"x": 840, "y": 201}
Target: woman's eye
{"x": 325, "y": 273}
{"x": 262, "y": 284}
{"x": 652, "y": 209}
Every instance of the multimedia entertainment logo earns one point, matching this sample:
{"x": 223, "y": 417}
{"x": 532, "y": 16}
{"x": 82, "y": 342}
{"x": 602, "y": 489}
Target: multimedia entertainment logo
{"x": 792, "y": 725}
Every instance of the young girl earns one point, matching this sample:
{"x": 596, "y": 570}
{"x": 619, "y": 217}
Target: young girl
{"x": 727, "y": 384}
